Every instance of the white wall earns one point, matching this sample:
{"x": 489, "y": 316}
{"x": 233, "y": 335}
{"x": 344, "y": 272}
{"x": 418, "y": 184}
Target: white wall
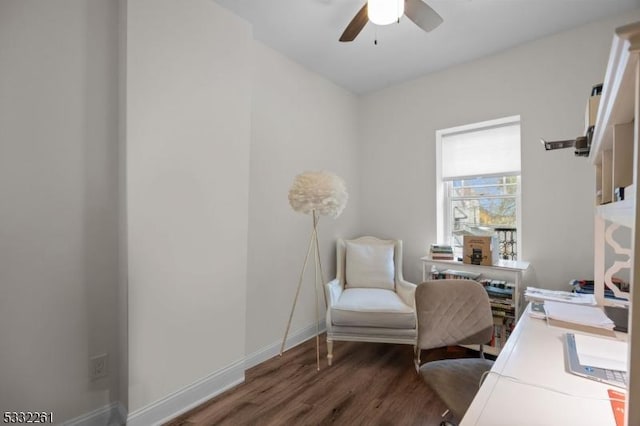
{"x": 123, "y": 261}
{"x": 300, "y": 122}
{"x": 188, "y": 137}
{"x": 547, "y": 83}
{"x": 58, "y": 214}
{"x": 217, "y": 127}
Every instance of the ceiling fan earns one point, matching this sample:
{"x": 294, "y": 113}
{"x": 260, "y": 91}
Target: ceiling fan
{"x": 418, "y": 11}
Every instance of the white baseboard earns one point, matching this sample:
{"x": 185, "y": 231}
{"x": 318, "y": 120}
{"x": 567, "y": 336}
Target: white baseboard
{"x": 122, "y": 411}
{"x": 188, "y": 397}
{"x": 268, "y": 352}
{"x": 113, "y": 414}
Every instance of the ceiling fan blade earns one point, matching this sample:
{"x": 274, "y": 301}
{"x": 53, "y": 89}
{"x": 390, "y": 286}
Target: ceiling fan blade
{"x": 422, "y": 14}
{"x": 356, "y": 25}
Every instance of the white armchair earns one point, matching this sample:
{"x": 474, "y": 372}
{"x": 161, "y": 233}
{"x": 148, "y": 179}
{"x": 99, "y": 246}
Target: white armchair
{"x": 369, "y": 300}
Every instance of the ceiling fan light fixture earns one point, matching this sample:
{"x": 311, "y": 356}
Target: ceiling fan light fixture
{"x": 385, "y": 12}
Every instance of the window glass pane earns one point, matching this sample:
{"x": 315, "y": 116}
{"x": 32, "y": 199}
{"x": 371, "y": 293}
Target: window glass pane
{"x": 484, "y": 214}
{"x": 485, "y": 186}
{"x": 483, "y": 205}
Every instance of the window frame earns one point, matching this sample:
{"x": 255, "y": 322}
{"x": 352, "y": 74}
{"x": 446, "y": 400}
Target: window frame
{"x": 443, "y": 201}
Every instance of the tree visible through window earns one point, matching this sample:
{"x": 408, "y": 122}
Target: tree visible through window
{"x": 484, "y": 206}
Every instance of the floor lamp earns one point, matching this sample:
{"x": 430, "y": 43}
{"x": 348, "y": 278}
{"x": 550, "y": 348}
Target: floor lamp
{"x": 315, "y": 193}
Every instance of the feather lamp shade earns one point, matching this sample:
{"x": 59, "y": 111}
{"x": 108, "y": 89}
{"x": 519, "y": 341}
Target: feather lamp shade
{"x": 322, "y": 192}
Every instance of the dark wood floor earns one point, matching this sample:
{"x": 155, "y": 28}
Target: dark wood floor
{"x": 368, "y": 384}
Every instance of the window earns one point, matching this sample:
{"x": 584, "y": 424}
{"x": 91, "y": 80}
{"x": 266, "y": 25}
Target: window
{"x": 478, "y": 178}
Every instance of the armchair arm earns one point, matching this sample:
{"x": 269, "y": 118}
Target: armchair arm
{"x": 334, "y": 290}
{"x": 407, "y": 291}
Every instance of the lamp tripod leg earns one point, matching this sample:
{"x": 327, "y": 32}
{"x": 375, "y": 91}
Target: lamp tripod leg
{"x": 317, "y": 271}
{"x": 319, "y": 281}
{"x": 295, "y": 299}
{"x": 319, "y": 264}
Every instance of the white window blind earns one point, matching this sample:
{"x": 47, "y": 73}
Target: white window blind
{"x": 488, "y": 151}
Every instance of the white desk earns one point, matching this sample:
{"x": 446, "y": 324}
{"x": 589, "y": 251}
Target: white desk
{"x": 535, "y": 354}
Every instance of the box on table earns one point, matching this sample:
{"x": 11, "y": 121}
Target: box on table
{"x": 480, "y": 250}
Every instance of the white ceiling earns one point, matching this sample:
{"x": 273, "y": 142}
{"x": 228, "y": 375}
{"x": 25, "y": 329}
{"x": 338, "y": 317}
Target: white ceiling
{"x": 307, "y": 31}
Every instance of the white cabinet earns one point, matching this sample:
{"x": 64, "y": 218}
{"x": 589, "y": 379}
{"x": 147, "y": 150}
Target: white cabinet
{"x": 615, "y": 155}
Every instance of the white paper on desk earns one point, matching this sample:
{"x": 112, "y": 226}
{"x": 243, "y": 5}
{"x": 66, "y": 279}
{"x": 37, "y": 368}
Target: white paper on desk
{"x": 534, "y": 293}
{"x": 602, "y": 353}
{"x": 578, "y": 314}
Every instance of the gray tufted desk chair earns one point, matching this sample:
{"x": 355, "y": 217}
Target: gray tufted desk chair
{"x": 453, "y": 312}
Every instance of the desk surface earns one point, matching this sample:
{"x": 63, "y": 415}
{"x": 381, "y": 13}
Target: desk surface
{"x": 543, "y": 393}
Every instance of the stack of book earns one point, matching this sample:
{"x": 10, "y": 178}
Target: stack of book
{"x": 441, "y": 252}
{"x": 499, "y": 336}
{"x": 451, "y": 274}
{"x": 498, "y": 288}
{"x": 587, "y": 287}
{"x": 502, "y": 328}
{"x": 503, "y": 309}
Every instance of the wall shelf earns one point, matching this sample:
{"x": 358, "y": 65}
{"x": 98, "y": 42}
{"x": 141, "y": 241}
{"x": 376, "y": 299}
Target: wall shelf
{"x": 619, "y": 212}
{"x": 616, "y": 154}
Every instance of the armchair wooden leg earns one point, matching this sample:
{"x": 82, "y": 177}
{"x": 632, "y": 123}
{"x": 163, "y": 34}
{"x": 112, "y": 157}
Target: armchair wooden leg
{"x": 329, "y": 351}
{"x": 416, "y": 358}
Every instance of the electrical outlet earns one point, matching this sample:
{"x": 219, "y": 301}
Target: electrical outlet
{"x": 98, "y": 366}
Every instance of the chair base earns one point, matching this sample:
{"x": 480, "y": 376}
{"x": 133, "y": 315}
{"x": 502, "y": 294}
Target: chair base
{"x": 456, "y": 381}
{"x": 399, "y": 340}
{"x": 445, "y": 419}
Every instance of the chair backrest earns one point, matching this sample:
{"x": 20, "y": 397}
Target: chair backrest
{"x": 452, "y": 312}
{"x": 341, "y": 256}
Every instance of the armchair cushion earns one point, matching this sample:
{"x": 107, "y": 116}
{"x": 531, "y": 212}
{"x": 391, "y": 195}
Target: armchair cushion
{"x": 370, "y": 266}
{"x": 372, "y": 307}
